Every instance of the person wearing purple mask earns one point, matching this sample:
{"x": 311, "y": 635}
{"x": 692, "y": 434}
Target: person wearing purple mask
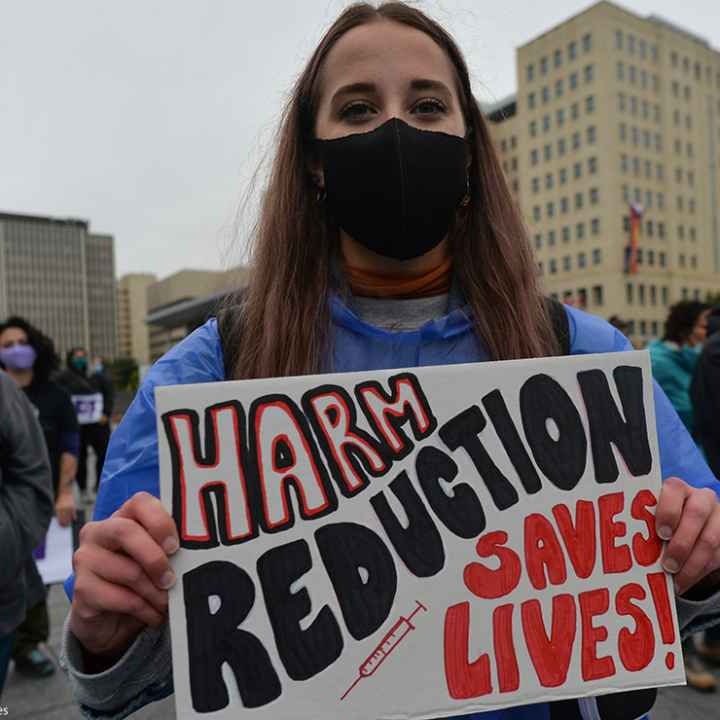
{"x": 29, "y": 358}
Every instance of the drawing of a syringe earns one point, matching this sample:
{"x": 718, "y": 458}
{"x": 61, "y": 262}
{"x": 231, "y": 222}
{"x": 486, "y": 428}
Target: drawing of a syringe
{"x": 392, "y": 639}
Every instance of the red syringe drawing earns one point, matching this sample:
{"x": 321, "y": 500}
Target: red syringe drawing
{"x": 392, "y": 639}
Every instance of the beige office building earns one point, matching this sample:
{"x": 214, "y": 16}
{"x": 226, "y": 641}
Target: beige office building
{"x": 61, "y": 277}
{"x": 133, "y": 332}
{"x": 180, "y": 303}
{"x": 615, "y": 109}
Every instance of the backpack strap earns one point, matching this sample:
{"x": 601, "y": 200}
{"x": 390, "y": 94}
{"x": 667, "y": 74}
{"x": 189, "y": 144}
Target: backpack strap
{"x": 560, "y": 324}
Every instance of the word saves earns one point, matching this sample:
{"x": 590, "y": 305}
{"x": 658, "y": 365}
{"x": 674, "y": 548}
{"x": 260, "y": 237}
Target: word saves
{"x": 281, "y": 457}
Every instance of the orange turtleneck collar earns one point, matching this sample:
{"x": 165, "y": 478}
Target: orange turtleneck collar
{"x": 366, "y": 283}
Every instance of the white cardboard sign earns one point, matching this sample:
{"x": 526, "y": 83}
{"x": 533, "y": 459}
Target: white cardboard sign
{"x": 416, "y": 544}
{"x": 53, "y": 557}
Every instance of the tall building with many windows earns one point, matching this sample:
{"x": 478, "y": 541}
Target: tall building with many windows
{"x": 617, "y": 119}
{"x": 61, "y": 277}
{"x": 133, "y": 331}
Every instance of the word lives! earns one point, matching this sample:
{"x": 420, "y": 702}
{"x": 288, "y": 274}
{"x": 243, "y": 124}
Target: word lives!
{"x": 263, "y": 467}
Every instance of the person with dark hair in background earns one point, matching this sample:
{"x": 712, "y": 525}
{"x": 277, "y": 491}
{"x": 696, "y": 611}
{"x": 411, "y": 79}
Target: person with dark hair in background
{"x": 675, "y": 356}
{"x": 29, "y": 358}
{"x": 89, "y": 396}
{"x": 25, "y": 511}
{"x": 674, "y": 359}
{"x": 705, "y": 395}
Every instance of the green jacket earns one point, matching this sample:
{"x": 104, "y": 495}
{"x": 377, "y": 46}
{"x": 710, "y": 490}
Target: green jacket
{"x": 673, "y": 367}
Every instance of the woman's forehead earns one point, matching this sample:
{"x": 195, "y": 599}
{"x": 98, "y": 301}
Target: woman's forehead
{"x": 13, "y": 333}
{"x": 385, "y": 52}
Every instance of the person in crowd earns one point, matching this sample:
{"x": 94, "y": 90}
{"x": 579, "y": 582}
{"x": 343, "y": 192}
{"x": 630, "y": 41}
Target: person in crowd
{"x": 387, "y": 238}
{"x": 25, "y": 510}
{"x": 92, "y": 396}
{"x": 29, "y": 358}
{"x": 619, "y": 324}
{"x": 674, "y": 358}
{"x": 100, "y": 377}
{"x": 705, "y": 395}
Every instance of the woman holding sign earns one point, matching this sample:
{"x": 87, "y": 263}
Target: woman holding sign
{"x": 387, "y": 238}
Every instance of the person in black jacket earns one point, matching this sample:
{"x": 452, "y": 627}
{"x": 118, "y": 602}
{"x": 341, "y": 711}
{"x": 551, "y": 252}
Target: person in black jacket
{"x": 26, "y": 507}
{"x": 705, "y": 396}
{"x": 92, "y": 397}
{"x": 28, "y": 357}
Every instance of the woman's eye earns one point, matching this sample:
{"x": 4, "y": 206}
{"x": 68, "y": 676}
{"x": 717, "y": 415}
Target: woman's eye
{"x": 429, "y": 106}
{"x": 356, "y": 111}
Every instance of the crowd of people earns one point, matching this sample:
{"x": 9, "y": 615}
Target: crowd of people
{"x": 387, "y": 238}
{"x": 62, "y": 415}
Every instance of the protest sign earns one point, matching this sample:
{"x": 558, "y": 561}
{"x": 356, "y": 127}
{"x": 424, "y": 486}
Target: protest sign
{"x": 53, "y": 556}
{"x": 416, "y": 544}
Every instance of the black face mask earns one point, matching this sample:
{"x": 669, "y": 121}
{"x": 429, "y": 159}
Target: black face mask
{"x": 395, "y": 189}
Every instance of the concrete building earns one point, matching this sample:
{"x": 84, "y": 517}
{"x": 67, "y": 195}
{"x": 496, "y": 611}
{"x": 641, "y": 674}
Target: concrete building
{"x": 184, "y": 301}
{"x": 615, "y": 110}
{"x": 60, "y": 277}
{"x": 133, "y": 332}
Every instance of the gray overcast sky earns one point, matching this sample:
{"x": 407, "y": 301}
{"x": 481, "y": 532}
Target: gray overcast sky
{"x": 147, "y": 117}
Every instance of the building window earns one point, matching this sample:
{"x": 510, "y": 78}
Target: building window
{"x": 643, "y": 79}
{"x": 597, "y": 295}
{"x": 536, "y": 213}
{"x": 577, "y": 170}
{"x": 633, "y": 105}
{"x": 576, "y": 140}
{"x": 659, "y": 171}
{"x": 661, "y": 230}
{"x": 530, "y": 73}
{"x": 563, "y": 205}
{"x": 658, "y": 142}
{"x": 534, "y": 157}
{"x": 550, "y": 209}
{"x": 581, "y": 260}
{"x": 620, "y": 70}
{"x": 535, "y": 185}
{"x": 573, "y": 81}
{"x": 558, "y": 88}
{"x": 653, "y": 295}
{"x": 548, "y": 181}
{"x": 574, "y": 111}
{"x": 546, "y": 123}
{"x": 572, "y": 50}
{"x": 661, "y": 201}
{"x": 560, "y": 117}
{"x": 545, "y": 94}
{"x": 547, "y": 152}
{"x": 629, "y": 293}
{"x": 632, "y": 74}
{"x": 591, "y": 134}
{"x": 592, "y": 165}
{"x": 538, "y": 241}
{"x": 563, "y": 176}
{"x": 648, "y": 169}
{"x": 579, "y": 231}
{"x": 561, "y": 147}
{"x": 674, "y": 59}
{"x": 621, "y": 102}
{"x": 552, "y": 266}
{"x": 681, "y": 260}
{"x": 589, "y": 73}
{"x": 594, "y": 196}
{"x": 578, "y": 201}
{"x": 587, "y": 42}
{"x": 566, "y": 263}
{"x": 551, "y": 238}
{"x": 543, "y": 66}
{"x": 531, "y": 100}
{"x": 641, "y": 294}
{"x": 654, "y": 53}
{"x": 566, "y": 230}
{"x": 589, "y": 103}
{"x": 623, "y": 132}
{"x": 664, "y": 295}
{"x": 623, "y": 163}
{"x": 595, "y": 226}
{"x": 596, "y": 256}
{"x": 636, "y": 166}
{"x": 618, "y": 40}
{"x": 557, "y": 58}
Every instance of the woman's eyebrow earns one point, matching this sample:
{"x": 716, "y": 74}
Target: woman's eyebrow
{"x": 355, "y": 88}
{"x": 427, "y": 84}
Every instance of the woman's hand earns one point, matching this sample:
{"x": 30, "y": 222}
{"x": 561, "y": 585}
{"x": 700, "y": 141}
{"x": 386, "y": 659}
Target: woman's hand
{"x": 65, "y": 507}
{"x": 689, "y": 520}
{"x": 122, "y": 575}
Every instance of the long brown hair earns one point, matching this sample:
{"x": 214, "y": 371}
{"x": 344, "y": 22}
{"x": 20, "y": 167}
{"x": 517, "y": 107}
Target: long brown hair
{"x": 280, "y": 325}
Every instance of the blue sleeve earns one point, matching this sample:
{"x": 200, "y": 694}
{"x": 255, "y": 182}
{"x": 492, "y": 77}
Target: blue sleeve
{"x": 131, "y": 463}
{"x": 679, "y": 456}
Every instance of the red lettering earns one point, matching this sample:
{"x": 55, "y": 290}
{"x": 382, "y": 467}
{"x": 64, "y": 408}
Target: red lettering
{"x": 579, "y": 538}
{"x": 616, "y": 558}
{"x": 504, "y": 645}
{"x": 489, "y": 584}
{"x": 592, "y": 604}
{"x": 646, "y": 550}
{"x": 636, "y": 649}
{"x": 543, "y": 551}
{"x": 550, "y": 656}
{"x": 464, "y": 679}
{"x": 661, "y": 599}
